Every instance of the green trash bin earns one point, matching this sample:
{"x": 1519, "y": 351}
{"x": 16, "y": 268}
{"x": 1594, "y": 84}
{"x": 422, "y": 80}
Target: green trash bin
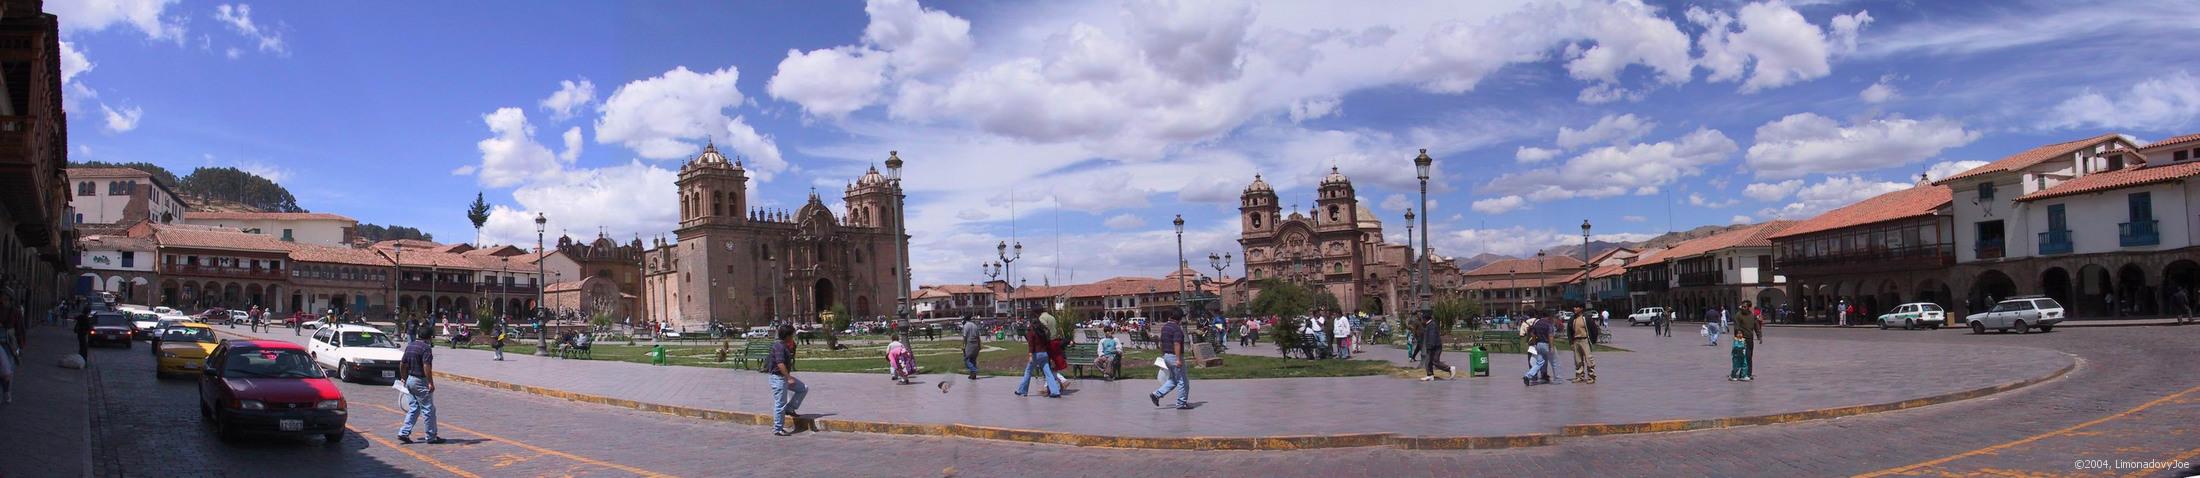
{"x": 1479, "y": 361}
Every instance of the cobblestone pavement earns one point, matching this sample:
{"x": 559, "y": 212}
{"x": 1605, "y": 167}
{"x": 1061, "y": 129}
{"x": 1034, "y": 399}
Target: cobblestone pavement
{"x": 1661, "y": 379}
{"x": 44, "y": 432}
{"x": 148, "y": 429}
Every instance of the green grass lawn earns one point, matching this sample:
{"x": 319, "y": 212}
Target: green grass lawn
{"x": 946, "y": 357}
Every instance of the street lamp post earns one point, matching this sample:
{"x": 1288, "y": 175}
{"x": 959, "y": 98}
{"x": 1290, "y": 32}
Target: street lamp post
{"x": 1586, "y": 267}
{"x": 901, "y": 238}
{"x": 1421, "y": 166}
{"x": 1147, "y": 302}
{"x": 397, "y": 259}
{"x": 1218, "y": 263}
{"x": 1184, "y": 307}
{"x": 1008, "y": 257}
{"x": 1538, "y": 279}
{"x": 992, "y": 271}
{"x": 542, "y": 337}
{"x": 1412, "y": 257}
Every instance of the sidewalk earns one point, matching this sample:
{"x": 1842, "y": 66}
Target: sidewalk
{"x": 47, "y": 431}
{"x": 1664, "y": 379}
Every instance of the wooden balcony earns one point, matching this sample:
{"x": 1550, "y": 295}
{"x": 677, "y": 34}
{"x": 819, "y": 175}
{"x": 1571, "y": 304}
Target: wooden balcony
{"x": 225, "y": 272}
{"x": 1877, "y": 259}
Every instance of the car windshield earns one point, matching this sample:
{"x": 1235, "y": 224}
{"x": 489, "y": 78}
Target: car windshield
{"x": 269, "y": 363}
{"x": 188, "y": 334}
{"x": 367, "y": 339}
{"x": 111, "y": 320}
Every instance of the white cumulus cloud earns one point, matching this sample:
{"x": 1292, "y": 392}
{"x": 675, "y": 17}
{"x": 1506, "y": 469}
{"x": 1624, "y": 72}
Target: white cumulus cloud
{"x": 1124, "y": 222}
{"x": 1615, "y": 170}
{"x": 1530, "y": 154}
{"x": 1774, "y": 45}
{"x": 570, "y": 97}
{"x": 1880, "y": 91}
{"x": 2163, "y": 103}
{"x": 1806, "y": 143}
{"x": 1769, "y": 192}
{"x": 511, "y": 155}
{"x": 123, "y": 120}
{"x": 1609, "y": 129}
{"x": 1499, "y": 205}
{"x": 239, "y": 19}
{"x": 146, "y": 16}
{"x": 1944, "y": 169}
{"x": 669, "y": 115}
{"x": 1829, "y": 194}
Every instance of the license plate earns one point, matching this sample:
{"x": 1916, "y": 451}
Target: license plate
{"x": 291, "y": 425}
{"x": 389, "y": 374}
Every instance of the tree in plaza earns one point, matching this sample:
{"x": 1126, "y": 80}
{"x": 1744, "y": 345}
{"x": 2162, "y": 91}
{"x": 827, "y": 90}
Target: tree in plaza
{"x": 1066, "y": 319}
{"x": 602, "y": 320}
{"x": 478, "y": 212}
{"x": 1448, "y": 312}
{"x": 1287, "y": 302}
{"x": 838, "y": 319}
{"x": 485, "y": 318}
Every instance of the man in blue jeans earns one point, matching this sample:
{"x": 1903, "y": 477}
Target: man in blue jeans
{"x": 1172, "y": 348}
{"x": 417, "y": 367}
{"x": 1036, "y": 344}
{"x": 1539, "y": 359}
{"x": 787, "y": 392}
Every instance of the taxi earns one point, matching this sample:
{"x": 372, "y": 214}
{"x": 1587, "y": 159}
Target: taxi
{"x": 184, "y": 348}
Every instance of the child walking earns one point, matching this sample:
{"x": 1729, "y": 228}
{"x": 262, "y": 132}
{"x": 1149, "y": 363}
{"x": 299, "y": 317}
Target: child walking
{"x": 1740, "y": 372}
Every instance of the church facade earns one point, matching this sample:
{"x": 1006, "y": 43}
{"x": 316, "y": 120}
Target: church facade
{"x": 1336, "y": 246}
{"x": 735, "y": 265}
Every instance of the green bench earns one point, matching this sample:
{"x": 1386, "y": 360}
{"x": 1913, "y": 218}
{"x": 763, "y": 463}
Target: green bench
{"x": 756, "y": 351}
{"x": 1081, "y": 356}
{"x": 1497, "y": 340}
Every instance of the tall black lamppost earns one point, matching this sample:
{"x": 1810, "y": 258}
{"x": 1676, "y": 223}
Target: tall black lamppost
{"x": 1218, "y": 263}
{"x": 992, "y": 271}
{"x": 1184, "y": 308}
{"x": 901, "y": 238}
{"x": 1146, "y": 303}
{"x": 397, "y": 258}
{"x": 1539, "y": 279}
{"x": 1586, "y": 267}
{"x": 1008, "y": 258}
{"x": 1421, "y": 166}
{"x": 1412, "y": 257}
{"x": 542, "y": 334}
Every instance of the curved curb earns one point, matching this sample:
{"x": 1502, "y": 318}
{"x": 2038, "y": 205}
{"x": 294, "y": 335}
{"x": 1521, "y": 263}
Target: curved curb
{"x": 1269, "y": 443}
{"x": 1662, "y": 426}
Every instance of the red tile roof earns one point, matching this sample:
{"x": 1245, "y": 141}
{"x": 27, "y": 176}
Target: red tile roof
{"x": 2116, "y": 180}
{"x": 1908, "y": 203}
{"x": 428, "y": 259}
{"x": 1607, "y": 271}
{"x": 1528, "y": 265}
{"x": 2173, "y": 141}
{"x": 1758, "y": 235}
{"x": 2031, "y": 157}
{"x": 109, "y": 242}
{"x": 336, "y": 255}
{"x": 106, "y": 173}
{"x": 199, "y": 237}
{"x": 264, "y": 216}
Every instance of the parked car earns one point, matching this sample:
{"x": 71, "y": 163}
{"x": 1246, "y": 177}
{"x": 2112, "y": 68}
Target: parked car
{"x": 269, "y": 387}
{"x": 238, "y": 316}
{"x": 1914, "y": 315}
{"x": 757, "y": 333}
{"x": 1645, "y": 315}
{"x": 112, "y": 327}
{"x": 356, "y": 352}
{"x": 183, "y": 348}
{"x": 144, "y": 323}
{"x": 164, "y": 310}
{"x": 2020, "y": 315}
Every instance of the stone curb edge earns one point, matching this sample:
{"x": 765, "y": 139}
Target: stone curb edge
{"x": 1603, "y": 429}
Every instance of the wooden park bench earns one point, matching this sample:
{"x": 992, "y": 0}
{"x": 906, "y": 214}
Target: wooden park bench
{"x": 1140, "y": 339}
{"x": 1499, "y": 340}
{"x": 1081, "y": 356}
{"x": 756, "y": 351}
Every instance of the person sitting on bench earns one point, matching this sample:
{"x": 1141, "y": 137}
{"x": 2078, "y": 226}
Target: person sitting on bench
{"x": 1110, "y": 358}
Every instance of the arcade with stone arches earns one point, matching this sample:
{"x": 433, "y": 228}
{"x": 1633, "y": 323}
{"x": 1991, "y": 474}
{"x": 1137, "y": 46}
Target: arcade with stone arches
{"x": 1815, "y": 301}
{"x": 2093, "y": 286}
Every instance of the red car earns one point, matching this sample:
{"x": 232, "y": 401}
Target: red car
{"x": 269, "y": 387}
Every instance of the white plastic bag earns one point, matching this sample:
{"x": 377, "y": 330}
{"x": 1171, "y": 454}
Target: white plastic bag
{"x": 404, "y": 394}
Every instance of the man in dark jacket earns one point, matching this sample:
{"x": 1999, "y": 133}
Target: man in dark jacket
{"x": 1432, "y": 349}
{"x": 1036, "y": 345}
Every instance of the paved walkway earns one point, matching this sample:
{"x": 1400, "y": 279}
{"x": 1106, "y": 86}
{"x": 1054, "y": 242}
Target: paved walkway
{"x": 46, "y": 431}
{"x": 1674, "y": 378}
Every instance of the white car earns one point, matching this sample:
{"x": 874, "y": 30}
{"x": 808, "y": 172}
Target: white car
{"x": 1645, "y": 316}
{"x": 163, "y": 310}
{"x": 1912, "y": 316}
{"x": 356, "y": 352}
{"x": 2020, "y": 315}
{"x": 238, "y": 316}
{"x": 757, "y": 333}
{"x": 147, "y": 323}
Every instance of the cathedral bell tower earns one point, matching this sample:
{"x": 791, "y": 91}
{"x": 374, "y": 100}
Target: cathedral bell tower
{"x": 1258, "y": 211}
{"x": 713, "y": 192}
{"x": 1337, "y": 208}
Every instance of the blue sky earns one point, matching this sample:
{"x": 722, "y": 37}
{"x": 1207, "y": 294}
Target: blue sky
{"x": 1104, "y": 119}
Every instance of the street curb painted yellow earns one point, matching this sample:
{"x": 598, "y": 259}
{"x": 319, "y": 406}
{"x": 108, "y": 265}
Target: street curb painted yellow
{"x": 1603, "y": 429}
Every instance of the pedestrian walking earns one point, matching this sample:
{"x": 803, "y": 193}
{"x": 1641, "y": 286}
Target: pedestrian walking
{"x": 1036, "y": 345}
{"x": 1343, "y": 326}
{"x": 496, "y": 341}
{"x": 1413, "y": 339}
{"x": 1538, "y": 337}
{"x": 1711, "y": 332}
{"x": 417, "y": 367}
{"x": 1843, "y": 309}
{"x": 84, "y": 335}
{"x": 787, "y": 391}
{"x": 1432, "y": 345}
{"x": 973, "y": 337}
{"x": 1179, "y": 380}
{"x": 1748, "y": 332}
{"x": 1583, "y": 334}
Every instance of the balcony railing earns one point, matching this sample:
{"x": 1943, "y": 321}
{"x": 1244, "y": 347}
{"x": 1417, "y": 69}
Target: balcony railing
{"x": 2055, "y": 242}
{"x": 1704, "y": 278}
{"x": 241, "y": 272}
{"x": 1989, "y": 249}
{"x": 2139, "y": 233}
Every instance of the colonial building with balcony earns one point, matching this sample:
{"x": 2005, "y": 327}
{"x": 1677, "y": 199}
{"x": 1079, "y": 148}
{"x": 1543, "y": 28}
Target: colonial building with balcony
{"x": 2100, "y": 224}
{"x": 431, "y": 279}
{"x": 37, "y": 239}
{"x": 1879, "y": 253}
{"x": 307, "y": 227}
{"x": 1715, "y": 272}
{"x": 203, "y": 267}
{"x": 119, "y": 264}
{"x": 341, "y": 280}
{"x": 956, "y": 301}
{"x": 1514, "y": 286}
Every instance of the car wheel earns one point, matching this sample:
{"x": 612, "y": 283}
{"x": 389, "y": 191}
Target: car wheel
{"x": 332, "y": 438}
{"x": 2045, "y": 328}
{"x": 1910, "y": 325}
{"x": 343, "y": 371}
{"x": 222, "y": 430}
{"x": 1978, "y": 328}
{"x": 2021, "y": 328}
{"x": 1882, "y": 325}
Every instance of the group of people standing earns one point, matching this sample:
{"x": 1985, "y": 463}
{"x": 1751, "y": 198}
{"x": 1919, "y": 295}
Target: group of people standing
{"x": 1582, "y": 331}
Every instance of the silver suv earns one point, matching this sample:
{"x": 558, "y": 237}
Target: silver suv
{"x": 2020, "y": 315}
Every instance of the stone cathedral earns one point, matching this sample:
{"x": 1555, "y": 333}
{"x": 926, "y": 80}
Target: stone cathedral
{"x": 741, "y": 266}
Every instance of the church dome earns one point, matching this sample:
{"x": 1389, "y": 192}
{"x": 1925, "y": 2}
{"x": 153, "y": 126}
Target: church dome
{"x": 871, "y": 178}
{"x": 710, "y": 156}
{"x": 1259, "y": 186}
{"x": 1334, "y": 177}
